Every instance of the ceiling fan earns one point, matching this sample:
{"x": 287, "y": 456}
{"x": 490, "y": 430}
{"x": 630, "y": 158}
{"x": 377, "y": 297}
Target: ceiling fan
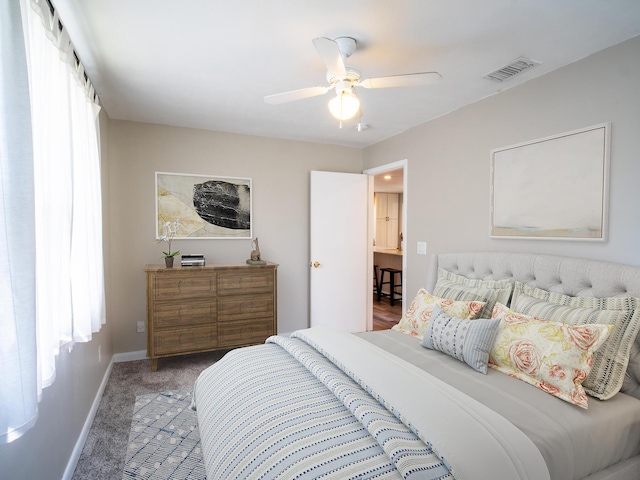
{"x": 343, "y": 79}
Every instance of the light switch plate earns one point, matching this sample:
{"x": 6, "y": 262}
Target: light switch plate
{"x": 422, "y": 248}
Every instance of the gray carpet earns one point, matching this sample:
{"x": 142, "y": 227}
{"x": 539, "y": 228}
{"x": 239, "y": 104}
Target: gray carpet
{"x": 104, "y": 451}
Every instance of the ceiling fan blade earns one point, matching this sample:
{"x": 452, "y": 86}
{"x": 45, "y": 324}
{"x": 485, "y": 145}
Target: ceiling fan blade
{"x": 294, "y": 95}
{"x": 331, "y": 56}
{"x": 406, "y": 80}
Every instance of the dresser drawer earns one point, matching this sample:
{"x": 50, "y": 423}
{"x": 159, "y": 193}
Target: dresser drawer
{"x": 245, "y": 281}
{"x": 244, "y": 332}
{"x": 184, "y": 285}
{"x": 184, "y": 313}
{"x": 244, "y": 307}
{"x": 185, "y": 340}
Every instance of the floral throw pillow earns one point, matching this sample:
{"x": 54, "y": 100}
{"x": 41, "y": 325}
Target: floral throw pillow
{"x": 415, "y": 320}
{"x": 611, "y": 360}
{"x": 553, "y": 356}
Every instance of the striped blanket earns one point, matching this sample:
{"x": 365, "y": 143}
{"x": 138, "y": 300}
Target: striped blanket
{"x": 292, "y": 409}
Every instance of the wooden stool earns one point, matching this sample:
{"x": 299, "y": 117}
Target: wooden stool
{"x": 376, "y": 285}
{"x": 393, "y": 285}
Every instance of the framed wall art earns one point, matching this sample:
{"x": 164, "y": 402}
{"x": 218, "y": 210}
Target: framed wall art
{"x": 204, "y": 207}
{"x": 552, "y": 188}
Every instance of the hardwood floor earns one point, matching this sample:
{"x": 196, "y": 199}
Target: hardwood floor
{"x": 384, "y": 315}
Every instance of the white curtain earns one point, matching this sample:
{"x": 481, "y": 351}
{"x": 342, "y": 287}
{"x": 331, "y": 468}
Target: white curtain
{"x": 18, "y": 371}
{"x": 69, "y": 267}
{"x": 64, "y": 189}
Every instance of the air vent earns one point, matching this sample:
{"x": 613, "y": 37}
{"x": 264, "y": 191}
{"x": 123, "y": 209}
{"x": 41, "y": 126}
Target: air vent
{"x": 511, "y": 70}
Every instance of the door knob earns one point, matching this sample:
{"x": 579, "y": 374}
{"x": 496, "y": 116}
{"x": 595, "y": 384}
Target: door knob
{"x": 315, "y": 264}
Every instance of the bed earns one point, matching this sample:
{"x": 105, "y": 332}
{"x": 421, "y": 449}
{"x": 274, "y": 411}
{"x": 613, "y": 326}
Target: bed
{"x": 438, "y": 399}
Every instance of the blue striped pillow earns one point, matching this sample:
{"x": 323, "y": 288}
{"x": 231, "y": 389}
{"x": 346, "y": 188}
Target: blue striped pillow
{"x": 469, "y": 341}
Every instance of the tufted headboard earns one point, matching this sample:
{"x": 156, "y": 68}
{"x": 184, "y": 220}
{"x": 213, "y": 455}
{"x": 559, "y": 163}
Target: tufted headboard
{"x": 571, "y": 276}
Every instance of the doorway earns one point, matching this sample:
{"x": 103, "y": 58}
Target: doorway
{"x": 388, "y": 218}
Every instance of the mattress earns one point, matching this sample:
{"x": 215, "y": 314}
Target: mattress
{"x": 574, "y": 442}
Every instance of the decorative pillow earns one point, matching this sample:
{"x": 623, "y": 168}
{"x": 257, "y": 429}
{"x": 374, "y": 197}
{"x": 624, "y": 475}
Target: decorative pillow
{"x": 611, "y": 360}
{"x": 553, "y": 356}
{"x": 466, "y": 340}
{"x": 414, "y": 322}
{"x": 457, "y": 287}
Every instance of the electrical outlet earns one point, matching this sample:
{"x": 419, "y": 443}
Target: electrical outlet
{"x": 422, "y": 248}
{"x": 140, "y": 327}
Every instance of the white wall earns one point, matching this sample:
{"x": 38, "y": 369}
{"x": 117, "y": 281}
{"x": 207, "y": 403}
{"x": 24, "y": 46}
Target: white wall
{"x": 449, "y": 159}
{"x": 280, "y": 183}
{"x": 44, "y": 451}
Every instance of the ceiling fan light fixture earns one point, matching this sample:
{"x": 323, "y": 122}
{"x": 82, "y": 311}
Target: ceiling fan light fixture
{"x": 344, "y": 105}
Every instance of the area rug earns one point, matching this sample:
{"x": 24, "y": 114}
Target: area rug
{"x": 164, "y": 441}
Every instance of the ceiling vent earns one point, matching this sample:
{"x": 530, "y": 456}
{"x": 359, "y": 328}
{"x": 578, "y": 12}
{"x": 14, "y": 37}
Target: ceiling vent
{"x": 511, "y": 70}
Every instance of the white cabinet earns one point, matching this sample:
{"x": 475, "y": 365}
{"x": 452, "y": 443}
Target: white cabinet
{"x": 387, "y": 219}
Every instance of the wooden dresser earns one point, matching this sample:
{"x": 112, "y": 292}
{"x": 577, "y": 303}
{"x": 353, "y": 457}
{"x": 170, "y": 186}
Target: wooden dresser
{"x": 219, "y": 306}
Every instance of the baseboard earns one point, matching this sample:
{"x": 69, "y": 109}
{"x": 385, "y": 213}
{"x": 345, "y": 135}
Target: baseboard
{"x": 77, "y": 450}
{"x": 129, "y": 356}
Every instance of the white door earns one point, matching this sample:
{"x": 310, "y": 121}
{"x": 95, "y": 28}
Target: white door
{"x": 340, "y": 281}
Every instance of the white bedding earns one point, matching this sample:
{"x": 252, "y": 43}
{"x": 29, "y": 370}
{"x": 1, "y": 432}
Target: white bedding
{"x": 481, "y": 426}
{"x": 574, "y": 442}
{"x": 475, "y": 441}
{"x": 281, "y": 411}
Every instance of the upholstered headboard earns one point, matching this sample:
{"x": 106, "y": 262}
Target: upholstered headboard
{"x": 567, "y": 275}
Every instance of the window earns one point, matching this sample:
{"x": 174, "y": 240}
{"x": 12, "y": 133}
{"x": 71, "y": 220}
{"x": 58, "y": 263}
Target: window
{"x": 51, "y": 213}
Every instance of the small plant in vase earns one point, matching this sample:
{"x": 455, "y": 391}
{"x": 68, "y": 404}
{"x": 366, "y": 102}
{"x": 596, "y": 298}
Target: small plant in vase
{"x": 170, "y": 230}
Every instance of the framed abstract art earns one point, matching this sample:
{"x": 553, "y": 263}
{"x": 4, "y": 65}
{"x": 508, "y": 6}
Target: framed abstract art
{"x": 205, "y": 207}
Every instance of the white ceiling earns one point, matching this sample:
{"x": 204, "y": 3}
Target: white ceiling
{"x": 208, "y": 63}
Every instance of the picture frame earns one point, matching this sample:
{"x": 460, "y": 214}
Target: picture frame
{"x": 553, "y": 188}
{"x": 204, "y": 206}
